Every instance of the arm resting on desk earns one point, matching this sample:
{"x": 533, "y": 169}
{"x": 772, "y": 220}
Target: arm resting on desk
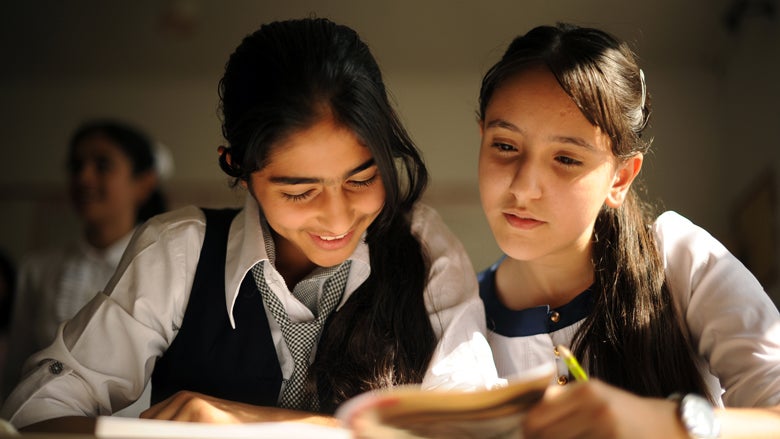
{"x": 191, "y": 407}
{"x": 197, "y": 407}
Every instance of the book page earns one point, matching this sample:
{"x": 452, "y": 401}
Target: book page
{"x": 409, "y": 412}
{"x": 129, "y": 428}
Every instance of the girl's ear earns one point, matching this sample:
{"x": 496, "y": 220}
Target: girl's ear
{"x": 222, "y": 151}
{"x": 624, "y": 176}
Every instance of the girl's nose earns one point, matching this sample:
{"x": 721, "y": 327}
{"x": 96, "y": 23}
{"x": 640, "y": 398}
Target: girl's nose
{"x": 336, "y": 210}
{"x": 526, "y": 183}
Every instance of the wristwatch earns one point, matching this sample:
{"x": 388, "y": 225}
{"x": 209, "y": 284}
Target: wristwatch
{"x": 698, "y": 416}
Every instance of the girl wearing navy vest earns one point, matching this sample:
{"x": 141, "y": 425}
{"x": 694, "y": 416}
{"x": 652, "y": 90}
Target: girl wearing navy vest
{"x": 654, "y": 307}
{"x": 330, "y": 281}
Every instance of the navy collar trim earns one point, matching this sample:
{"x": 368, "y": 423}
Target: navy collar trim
{"x": 532, "y": 321}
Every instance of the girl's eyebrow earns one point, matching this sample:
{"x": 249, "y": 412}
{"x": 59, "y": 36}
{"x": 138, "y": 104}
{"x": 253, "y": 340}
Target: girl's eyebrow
{"x": 501, "y": 123}
{"x": 283, "y": 180}
{"x": 579, "y": 141}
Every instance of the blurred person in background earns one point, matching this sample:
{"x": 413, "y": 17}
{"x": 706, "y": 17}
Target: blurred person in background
{"x": 113, "y": 187}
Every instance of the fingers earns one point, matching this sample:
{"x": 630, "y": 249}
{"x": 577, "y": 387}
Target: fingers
{"x": 188, "y": 407}
{"x": 549, "y": 417}
{"x": 578, "y": 410}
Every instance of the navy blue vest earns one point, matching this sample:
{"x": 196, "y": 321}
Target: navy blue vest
{"x": 208, "y": 355}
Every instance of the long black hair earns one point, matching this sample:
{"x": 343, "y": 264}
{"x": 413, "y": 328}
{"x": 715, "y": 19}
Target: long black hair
{"x": 135, "y": 145}
{"x": 284, "y": 78}
{"x": 634, "y": 337}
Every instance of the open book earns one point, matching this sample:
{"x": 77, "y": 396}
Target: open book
{"x": 408, "y": 412}
{"x": 400, "y": 412}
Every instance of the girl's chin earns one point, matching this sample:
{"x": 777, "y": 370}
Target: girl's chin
{"x": 330, "y": 258}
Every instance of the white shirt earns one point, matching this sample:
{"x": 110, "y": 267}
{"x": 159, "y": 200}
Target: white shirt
{"x": 109, "y": 348}
{"x": 53, "y": 285}
{"x": 734, "y": 326}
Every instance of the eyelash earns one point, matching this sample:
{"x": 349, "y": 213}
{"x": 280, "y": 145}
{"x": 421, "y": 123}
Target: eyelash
{"x": 296, "y": 197}
{"x": 307, "y": 194}
{"x": 363, "y": 183}
{"x": 566, "y": 161}
{"x": 503, "y": 147}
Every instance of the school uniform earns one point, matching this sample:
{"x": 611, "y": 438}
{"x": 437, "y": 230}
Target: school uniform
{"x": 53, "y": 285}
{"x": 734, "y": 326}
{"x": 102, "y": 358}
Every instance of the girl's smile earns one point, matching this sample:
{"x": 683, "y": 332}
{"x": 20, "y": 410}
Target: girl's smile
{"x": 319, "y": 192}
{"x": 330, "y": 242}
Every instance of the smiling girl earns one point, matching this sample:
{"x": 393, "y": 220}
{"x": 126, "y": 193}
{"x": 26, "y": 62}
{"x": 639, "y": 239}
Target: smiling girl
{"x": 652, "y": 306}
{"x": 331, "y": 281}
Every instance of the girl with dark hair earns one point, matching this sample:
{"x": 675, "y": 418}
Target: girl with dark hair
{"x": 652, "y": 306}
{"x": 331, "y": 281}
{"x": 139, "y": 151}
{"x": 113, "y": 187}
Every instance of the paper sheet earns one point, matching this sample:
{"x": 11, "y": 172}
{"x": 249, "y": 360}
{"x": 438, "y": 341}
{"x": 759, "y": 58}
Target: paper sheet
{"x": 128, "y": 428}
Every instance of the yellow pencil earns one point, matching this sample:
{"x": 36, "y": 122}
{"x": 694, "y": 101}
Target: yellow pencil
{"x": 572, "y": 363}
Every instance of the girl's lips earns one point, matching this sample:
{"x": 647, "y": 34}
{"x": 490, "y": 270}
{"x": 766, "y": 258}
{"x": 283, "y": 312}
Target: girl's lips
{"x": 332, "y": 238}
{"x": 331, "y": 242}
{"x": 520, "y": 222}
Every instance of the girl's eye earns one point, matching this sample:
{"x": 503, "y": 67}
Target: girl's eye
{"x": 567, "y": 161}
{"x": 363, "y": 183}
{"x": 297, "y": 197}
{"x": 503, "y": 147}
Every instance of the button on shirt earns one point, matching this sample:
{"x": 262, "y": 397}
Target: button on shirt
{"x": 523, "y": 340}
{"x": 53, "y": 286}
{"x": 105, "y": 368}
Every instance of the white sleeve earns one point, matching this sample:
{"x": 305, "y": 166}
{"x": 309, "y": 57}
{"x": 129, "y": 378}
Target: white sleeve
{"x": 734, "y": 325}
{"x": 29, "y": 298}
{"x": 101, "y": 359}
{"x": 462, "y": 358}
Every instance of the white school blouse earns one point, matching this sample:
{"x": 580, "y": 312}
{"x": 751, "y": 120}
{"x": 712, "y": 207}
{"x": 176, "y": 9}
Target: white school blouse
{"x": 54, "y": 284}
{"x": 108, "y": 350}
{"x": 734, "y": 326}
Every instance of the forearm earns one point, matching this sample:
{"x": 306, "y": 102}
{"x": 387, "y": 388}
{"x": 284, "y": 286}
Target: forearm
{"x": 196, "y": 407}
{"x": 273, "y": 414}
{"x": 750, "y": 423}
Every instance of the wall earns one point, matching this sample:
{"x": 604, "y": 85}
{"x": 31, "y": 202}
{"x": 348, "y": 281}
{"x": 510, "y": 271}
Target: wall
{"x": 712, "y": 126}
{"x": 750, "y": 115}
{"x": 438, "y": 111}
